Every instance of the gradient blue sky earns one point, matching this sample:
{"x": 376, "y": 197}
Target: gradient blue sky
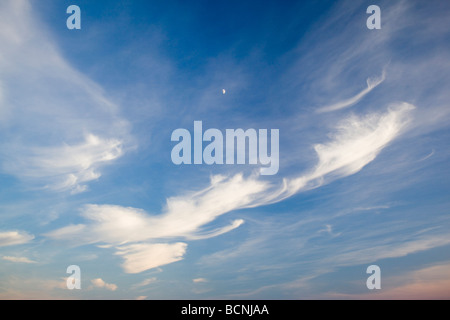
{"x": 86, "y": 118}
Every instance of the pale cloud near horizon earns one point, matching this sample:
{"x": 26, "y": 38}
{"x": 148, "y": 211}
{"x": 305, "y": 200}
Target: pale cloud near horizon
{"x": 144, "y": 256}
{"x": 100, "y": 283}
{"x": 199, "y": 280}
{"x": 9, "y": 238}
{"x": 18, "y": 259}
{"x": 30, "y": 288}
{"x": 429, "y": 283}
{"x": 145, "y": 282}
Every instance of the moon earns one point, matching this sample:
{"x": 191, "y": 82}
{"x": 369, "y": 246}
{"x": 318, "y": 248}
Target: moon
{"x": 224, "y": 91}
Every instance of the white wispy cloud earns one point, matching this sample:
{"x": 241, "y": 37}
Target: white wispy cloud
{"x": 145, "y": 282}
{"x": 329, "y": 229}
{"x": 127, "y": 228}
{"x": 9, "y": 238}
{"x": 235, "y": 224}
{"x": 357, "y": 142}
{"x": 99, "y": 283}
{"x": 140, "y": 257}
{"x": 69, "y": 167}
{"x": 199, "y": 280}
{"x": 33, "y": 288}
{"x": 371, "y": 84}
{"x": 183, "y": 216}
{"x": 18, "y": 259}
{"x": 57, "y": 127}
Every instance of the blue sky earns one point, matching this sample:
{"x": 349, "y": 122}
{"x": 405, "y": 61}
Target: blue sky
{"x": 86, "y": 118}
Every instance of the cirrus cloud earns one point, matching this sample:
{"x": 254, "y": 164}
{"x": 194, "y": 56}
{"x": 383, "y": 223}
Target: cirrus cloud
{"x": 133, "y": 231}
{"x": 57, "y": 126}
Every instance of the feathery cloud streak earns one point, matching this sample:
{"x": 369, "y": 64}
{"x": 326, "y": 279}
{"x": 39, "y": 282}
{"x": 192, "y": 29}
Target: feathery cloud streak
{"x": 57, "y": 127}
{"x": 356, "y": 143}
{"x": 371, "y": 84}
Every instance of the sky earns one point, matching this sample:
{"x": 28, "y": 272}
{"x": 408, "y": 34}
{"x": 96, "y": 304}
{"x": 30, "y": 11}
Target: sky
{"x": 87, "y": 177}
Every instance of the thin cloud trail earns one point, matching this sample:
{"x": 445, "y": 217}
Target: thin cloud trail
{"x": 372, "y": 83}
{"x": 357, "y": 143}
